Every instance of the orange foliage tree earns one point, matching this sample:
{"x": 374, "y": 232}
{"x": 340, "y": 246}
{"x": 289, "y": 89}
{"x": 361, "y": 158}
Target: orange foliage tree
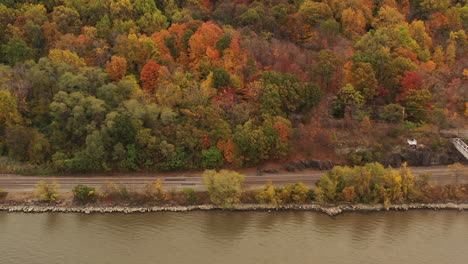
{"x": 116, "y": 68}
{"x": 149, "y": 76}
{"x": 202, "y": 43}
{"x": 229, "y": 151}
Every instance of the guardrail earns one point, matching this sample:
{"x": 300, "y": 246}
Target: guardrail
{"x": 461, "y": 146}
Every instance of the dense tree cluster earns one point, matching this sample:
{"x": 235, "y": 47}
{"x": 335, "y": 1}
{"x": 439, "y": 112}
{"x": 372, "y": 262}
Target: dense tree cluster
{"x": 129, "y": 85}
{"x": 372, "y": 183}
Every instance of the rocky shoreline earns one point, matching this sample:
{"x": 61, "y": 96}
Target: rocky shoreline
{"x": 329, "y": 210}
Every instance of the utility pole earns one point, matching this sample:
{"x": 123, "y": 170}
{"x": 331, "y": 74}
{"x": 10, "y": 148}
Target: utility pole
{"x": 403, "y": 114}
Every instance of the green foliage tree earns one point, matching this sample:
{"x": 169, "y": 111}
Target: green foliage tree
{"x": 395, "y": 70}
{"x": 190, "y": 195}
{"x": 93, "y": 158}
{"x": 74, "y": 116}
{"x": 136, "y": 50}
{"x": 313, "y": 12}
{"x": 144, "y": 6}
{"x": 116, "y": 94}
{"x": 104, "y": 26}
{"x": 374, "y": 55}
{"x": 431, "y": 6}
{"x": 121, "y": 9}
{"x": 70, "y": 83}
{"x": 26, "y": 144}
{"x": 417, "y": 104}
{"x": 325, "y": 67}
{"x": 348, "y": 99}
{"x": 212, "y": 158}
{"x": 84, "y": 194}
{"x": 270, "y": 101}
{"x": 16, "y": 50}
{"x": 67, "y": 19}
{"x": 251, "y": 142}
{"x": 330, "y": 28}
{"x": 284, "y": 92}
{"x": 223, "y": 43}
{"x": 392, "y": 113}
{"x": 152, "y": 22}
{"x": 365, "y": 81}
{"x": 221, "y": 78}
{"x": 349, "y": 96}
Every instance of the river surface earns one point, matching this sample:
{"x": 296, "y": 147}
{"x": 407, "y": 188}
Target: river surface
{"x": 235, "y": 237}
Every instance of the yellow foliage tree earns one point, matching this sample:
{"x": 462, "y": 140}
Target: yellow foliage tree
{"x": 353, "y": 22}
{"x": 47, "y": 191}
{"x": 9, "y": 114}
{"x": 393, "y": 184}
{"x": 408, "y": 184}
{"x": 66, "y": 56}
{"x": 299, "y": 192}
{"x": 153, "y": 191}
{"x": 268, "y": 194}
{"x": 224, "y": 187}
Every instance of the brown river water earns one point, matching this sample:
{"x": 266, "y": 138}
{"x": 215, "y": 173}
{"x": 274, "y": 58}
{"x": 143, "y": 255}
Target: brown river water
{"x": 235, "y": 237}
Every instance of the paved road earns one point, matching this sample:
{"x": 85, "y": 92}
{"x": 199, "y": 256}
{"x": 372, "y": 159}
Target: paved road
{"x": 10, "y": 182}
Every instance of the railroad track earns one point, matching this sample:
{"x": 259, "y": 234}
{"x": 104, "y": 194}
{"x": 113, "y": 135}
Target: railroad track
{"x": 11, "y": 182}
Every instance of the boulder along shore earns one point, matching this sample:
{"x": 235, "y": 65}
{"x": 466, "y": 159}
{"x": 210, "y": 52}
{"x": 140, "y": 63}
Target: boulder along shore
{"x": 329, "y": 210}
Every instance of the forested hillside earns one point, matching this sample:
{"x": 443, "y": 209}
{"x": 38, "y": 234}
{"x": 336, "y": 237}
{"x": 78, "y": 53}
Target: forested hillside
{"x": 157, "y": 85}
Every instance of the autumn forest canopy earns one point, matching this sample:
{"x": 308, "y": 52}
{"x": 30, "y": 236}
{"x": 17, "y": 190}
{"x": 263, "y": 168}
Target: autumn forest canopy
{"x": 158, "y": 85}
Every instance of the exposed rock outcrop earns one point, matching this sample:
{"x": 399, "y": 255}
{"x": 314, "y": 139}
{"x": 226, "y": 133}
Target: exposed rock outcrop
{"x": 423, "y": 157}
{"x": 302, "y": 165}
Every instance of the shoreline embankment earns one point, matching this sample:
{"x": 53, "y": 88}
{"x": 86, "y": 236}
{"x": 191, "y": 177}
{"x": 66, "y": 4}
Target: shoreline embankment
{"x": 331, "y": 210}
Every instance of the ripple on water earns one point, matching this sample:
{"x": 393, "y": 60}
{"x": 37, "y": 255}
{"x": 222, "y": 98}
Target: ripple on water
{"x": 235, "y": 237}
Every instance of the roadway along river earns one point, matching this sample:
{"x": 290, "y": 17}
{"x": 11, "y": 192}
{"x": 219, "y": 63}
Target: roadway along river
{"x": 235, "y": 237}
{"x": 11, "y": 182}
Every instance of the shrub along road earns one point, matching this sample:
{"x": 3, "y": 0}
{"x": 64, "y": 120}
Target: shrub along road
{"x": 12, "y": 182}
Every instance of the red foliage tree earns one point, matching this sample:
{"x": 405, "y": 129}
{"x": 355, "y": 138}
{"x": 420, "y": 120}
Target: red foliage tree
{"x": 227, "y": 147}
{"x": 436, "y": 22}
{"x": 411, "y": 80}
{"x": 206, "y": 141}
{"x": 226, "y": 98}
{"x": 382, "y": 92}
{"x": 283, "y": 130}
{"x": 149, "y": 76}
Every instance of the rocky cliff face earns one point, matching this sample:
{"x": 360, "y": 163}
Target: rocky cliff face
{"x": 424, "y": 157}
